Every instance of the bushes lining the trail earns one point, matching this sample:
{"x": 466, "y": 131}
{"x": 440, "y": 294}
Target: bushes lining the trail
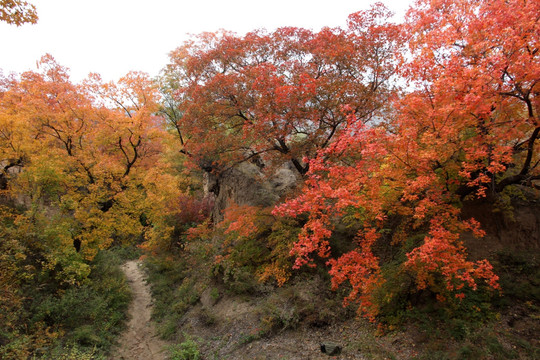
{"x": 77, "y": 322}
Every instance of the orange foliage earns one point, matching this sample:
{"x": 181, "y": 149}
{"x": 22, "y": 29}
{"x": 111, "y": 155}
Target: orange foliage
{"x": 240, "y": 219}
{"x": 278, "y": 95}
{"x": 83, "y": 149}
{"x": 256, "y": 239}
{"x": 468, "y": 128}
{"x": 17, "y": 12}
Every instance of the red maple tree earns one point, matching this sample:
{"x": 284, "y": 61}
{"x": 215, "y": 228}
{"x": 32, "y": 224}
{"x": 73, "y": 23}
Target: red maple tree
{"x": 279, "y": 94}
{"x": 468, "y": 128}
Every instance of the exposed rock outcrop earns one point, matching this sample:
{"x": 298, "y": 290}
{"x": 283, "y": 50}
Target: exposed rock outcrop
{"x": 246, "y": 184}
{"x": 9, "y": 168}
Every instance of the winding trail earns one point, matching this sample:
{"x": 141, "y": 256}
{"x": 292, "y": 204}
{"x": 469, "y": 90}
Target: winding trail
{"x": 139, "y": 341}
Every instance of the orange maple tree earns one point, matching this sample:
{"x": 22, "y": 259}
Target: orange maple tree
{"x": 82, "y": 167}
{"x": 476, "y": 72}
{"x": 83, "y": 148}
{"x": 467, "y": 129}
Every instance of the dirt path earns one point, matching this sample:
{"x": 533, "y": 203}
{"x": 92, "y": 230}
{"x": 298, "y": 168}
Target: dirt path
{"x": 139, "y": 341}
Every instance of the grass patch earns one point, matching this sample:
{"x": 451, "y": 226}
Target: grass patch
{"x": 371, "y": 349}
{"x": 173, "y": 291}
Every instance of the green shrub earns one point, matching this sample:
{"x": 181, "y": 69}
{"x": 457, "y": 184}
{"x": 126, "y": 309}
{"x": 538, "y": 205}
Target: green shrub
{"x": 237, "y": 279}
{"x": 172, "y": 291}
{"x": 73, "y": 353}
{"x": 188, "y": 350}
{"x": 519, "y": 277}
{"x": 370, "y": 348}
{"x": 90, "y": 315}
{"x": 470, "y": 352}
{"x": 207, "y": 317}
{"x": 214, "y": 294}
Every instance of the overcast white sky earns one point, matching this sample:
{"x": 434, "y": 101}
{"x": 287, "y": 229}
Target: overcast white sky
{"x": 112, "y": 37}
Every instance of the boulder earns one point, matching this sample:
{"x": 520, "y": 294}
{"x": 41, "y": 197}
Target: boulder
{"x": 330, "y": 348}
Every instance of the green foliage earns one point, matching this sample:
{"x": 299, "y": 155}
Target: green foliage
{"x": 434, "y": 355}
{"x": 186, "y": 295}
{"x": 214, "y": 294}
{"x": 187, "y": 350}
{"x": 394, "y": 297}
{"x": 237, "y": 279}
{"x": 484, "y": 344}
{"x": 172, "y": 290}
{"x": 399, "y": 299}
{"x": 72, "y": 322}
{"x": 206, "y": 316}
{"x": 121, "y": 254}
{"x": 43, "y": 181}
{"x": 279, "y": 315}
{"x": 168, "y": 233}
{"x": 455, "y": 318}
{"x": 73, "y": 353}
{"x": 458, "y": 339}
{"x": 519, "y": 277}
{"x": 532, "y": 351}
{"x": 93, "y": 314}
{"x": 306, "y": 301}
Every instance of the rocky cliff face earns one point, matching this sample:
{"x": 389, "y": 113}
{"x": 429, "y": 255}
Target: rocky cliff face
{"x": 245, "y": 184}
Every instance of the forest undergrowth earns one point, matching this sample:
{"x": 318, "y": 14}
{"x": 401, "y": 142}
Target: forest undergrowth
{"x": 199, "y": 302}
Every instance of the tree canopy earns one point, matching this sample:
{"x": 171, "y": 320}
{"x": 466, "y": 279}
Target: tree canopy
{"x": 468, "y": 129}
{"x": 280, "y": 95}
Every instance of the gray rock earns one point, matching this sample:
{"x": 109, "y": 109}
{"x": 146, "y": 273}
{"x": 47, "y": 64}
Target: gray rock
{"x": 246, "y": 184}
{"x": 330, "y": 348}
